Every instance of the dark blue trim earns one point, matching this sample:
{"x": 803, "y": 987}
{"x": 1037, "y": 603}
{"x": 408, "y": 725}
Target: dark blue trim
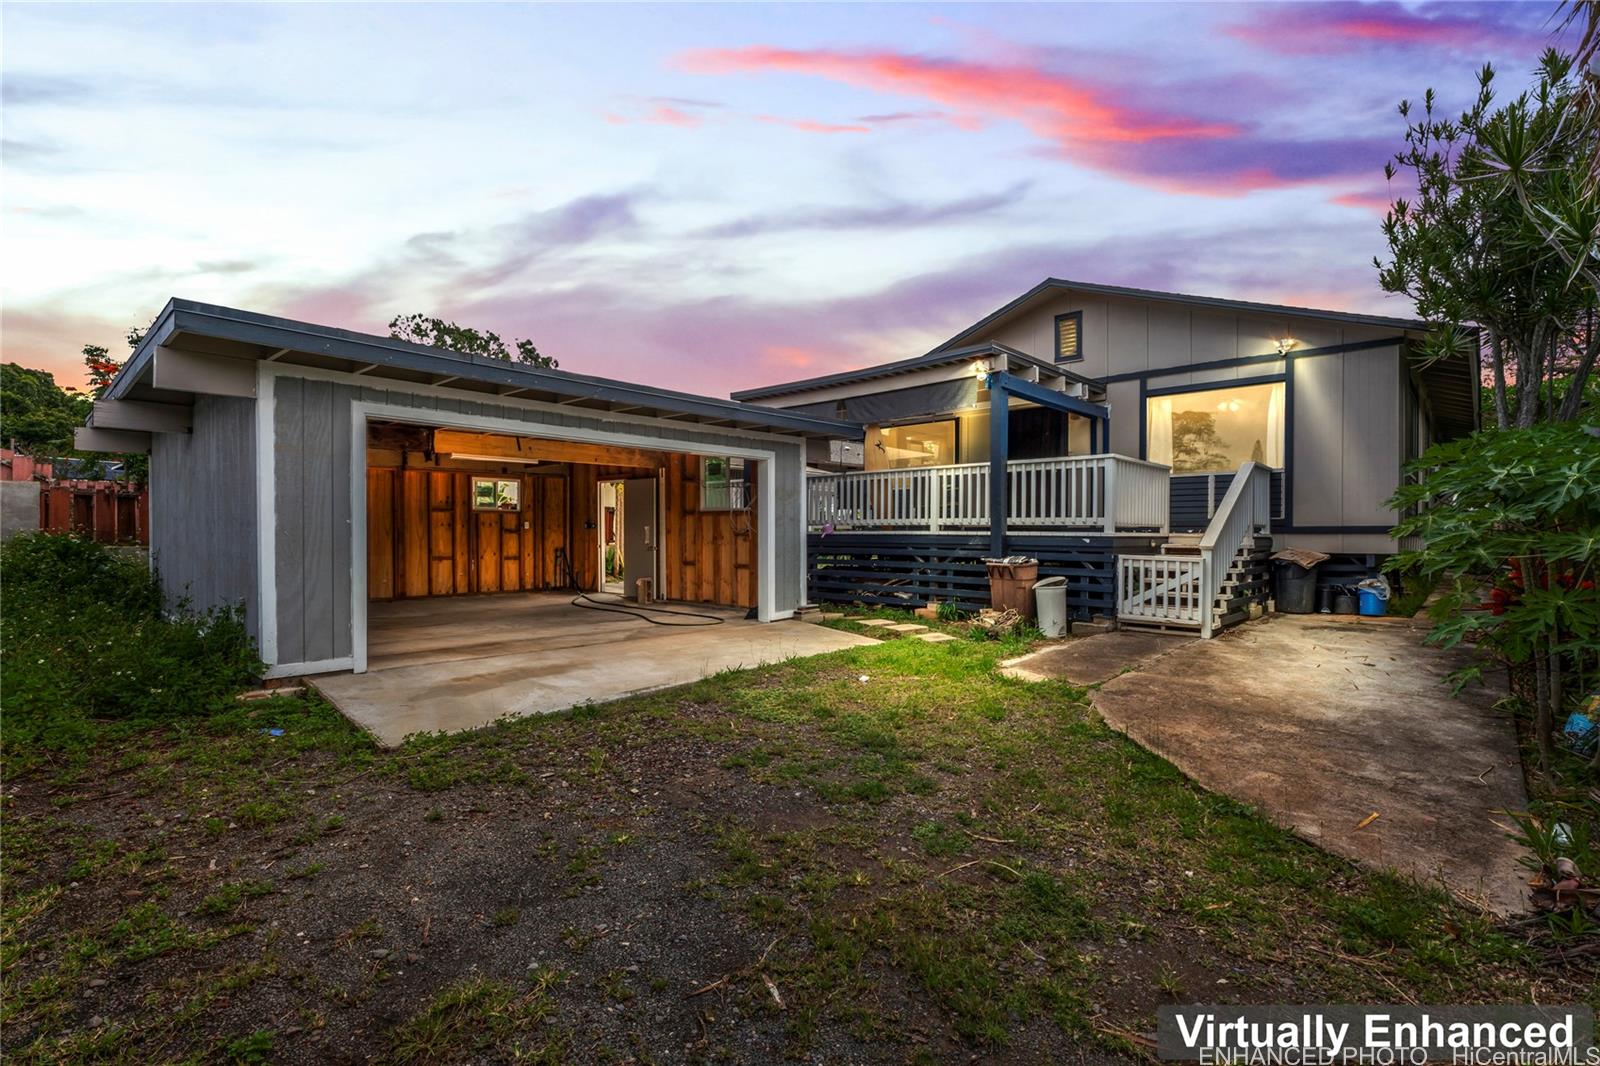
{"x": 1334, "y": 529}
{"x": 1213, "y": 386}
{"x": 1077, "y": 333}
{"x": 999, "y": 453}
{"x": 1288, "y": 442}
{"x": 1144, "y": 420}
{"x": 920, "y": 362}
{"x": 1047, "y": 397}
{"x": 1246, "y": 360}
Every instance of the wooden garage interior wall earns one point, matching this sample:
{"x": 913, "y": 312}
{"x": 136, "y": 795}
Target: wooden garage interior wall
{"x": 424, "y": 539}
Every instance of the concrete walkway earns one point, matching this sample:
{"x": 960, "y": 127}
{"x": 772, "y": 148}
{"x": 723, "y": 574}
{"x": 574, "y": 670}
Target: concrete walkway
{"x": 1321, "y": 723}
{"x": 1094, "y": 659}
{"x": 462, "y": 663}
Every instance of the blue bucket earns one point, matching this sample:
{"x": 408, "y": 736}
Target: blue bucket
{"x": 1373, "y": 602}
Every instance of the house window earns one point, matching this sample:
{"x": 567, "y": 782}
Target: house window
{"x": 1211, "y": 431}
{"x": 1069, "y": 336}
{"x": 920, "y": 444}
{"x": 722, "y": 484}
{"x": 496, "y": 494}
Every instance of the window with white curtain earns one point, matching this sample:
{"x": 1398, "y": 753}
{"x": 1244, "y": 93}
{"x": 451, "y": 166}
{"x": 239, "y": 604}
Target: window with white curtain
{"x": 1216, "y": 430}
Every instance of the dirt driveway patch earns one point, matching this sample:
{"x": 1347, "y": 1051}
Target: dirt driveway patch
{"x": 1322, "y": 723}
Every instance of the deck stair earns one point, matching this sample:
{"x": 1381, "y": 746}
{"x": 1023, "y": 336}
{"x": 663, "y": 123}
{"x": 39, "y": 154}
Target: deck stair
{"x": 1182, "y": 544}
{"x": 1204, "y": 582}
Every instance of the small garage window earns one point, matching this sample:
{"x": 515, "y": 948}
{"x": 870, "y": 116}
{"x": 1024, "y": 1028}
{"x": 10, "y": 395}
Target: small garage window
{"x": 722, "y": 484}
{"x": 496, "y": 494}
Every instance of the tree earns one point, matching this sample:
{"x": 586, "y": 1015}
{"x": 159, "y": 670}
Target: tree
{"x": 437, "y": 333}
{"x": 99, "y": 366}
{"x": 1503, "y": 234}
{"x": 37, "y": 416}
{"x": 1196, "y": 444}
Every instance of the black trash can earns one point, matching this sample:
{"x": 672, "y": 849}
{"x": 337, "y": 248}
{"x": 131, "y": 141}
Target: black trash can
{"x": 1296, "y": 587}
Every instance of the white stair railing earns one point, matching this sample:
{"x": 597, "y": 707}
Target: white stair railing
{"x": 1181, "y": 590}
{"x": 1244, "y": 512}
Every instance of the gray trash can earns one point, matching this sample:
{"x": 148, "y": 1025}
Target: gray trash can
{"x": 1050, "y": 600}
{"x": 1296, "y": 587}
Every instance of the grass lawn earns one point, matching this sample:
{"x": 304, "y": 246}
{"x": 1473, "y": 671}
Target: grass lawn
{"x": 884, "y": 854}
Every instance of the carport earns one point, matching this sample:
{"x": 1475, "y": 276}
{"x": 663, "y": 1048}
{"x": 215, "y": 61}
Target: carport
{"x": 353, "y": 493}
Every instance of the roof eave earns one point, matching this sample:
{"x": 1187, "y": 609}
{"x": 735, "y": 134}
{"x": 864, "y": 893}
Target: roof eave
{"x": 1246, "y": 306}
{"x": 181, "y": 316}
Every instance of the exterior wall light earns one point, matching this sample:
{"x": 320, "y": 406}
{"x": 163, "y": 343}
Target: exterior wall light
{"x": 1286, "y": 345}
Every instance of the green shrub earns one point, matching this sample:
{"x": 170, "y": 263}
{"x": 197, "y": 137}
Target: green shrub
{"x": 89, "y": 636}
{"x": 1509, "y": 525}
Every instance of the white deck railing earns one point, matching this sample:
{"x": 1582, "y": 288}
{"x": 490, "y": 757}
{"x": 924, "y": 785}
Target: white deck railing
{"x": 1182, "y": 589}
{"x": 1109, "y": 493}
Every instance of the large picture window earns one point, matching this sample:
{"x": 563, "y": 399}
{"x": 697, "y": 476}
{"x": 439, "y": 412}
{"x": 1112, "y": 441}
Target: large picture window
{"x": 922, "y": 444}
{"x": 1216, "y": 430}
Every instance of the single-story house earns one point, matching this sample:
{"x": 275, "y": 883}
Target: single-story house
{"x": 314, "y": 474}
{"x": 1153, "y": 447}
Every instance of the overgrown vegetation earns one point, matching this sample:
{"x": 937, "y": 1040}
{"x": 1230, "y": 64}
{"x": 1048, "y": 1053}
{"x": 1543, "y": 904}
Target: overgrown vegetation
{"x": 1496, "y": 236}
{"x": 1509, "y": 522}
{"x": 90, "y": 638}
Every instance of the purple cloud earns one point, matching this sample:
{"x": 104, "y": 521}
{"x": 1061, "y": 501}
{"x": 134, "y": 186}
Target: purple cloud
{"x": 894, "y": 215}
{"x": 1331, "y": 28}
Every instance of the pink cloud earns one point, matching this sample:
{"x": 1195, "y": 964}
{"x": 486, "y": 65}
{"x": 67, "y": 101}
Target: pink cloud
{"x": 1080, "y": 120}
{"x": 1330, "y": 28}
{"x": 809, "y": 125}
{"x": 667, "y": 115}
{"x": 1056, "y": 106}
{"x": 1379, "y": 203}
{"x": 790, "y": 356}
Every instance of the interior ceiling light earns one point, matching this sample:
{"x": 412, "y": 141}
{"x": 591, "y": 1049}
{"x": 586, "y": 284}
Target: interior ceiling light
{"x": 492, "y": 458}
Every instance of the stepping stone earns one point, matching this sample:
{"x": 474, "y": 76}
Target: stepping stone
{"x": 876, "y": 622}
{"x": 935, "y": 638}
{"x": 829, "y": 616}
{"x": 908, "y": 627}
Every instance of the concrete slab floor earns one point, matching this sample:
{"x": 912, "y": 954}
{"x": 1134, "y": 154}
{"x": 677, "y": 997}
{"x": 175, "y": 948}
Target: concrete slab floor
{"x": 464, "y": 662}
{"x": 1321, "y": 724}
{"x": 1093, "y": 659}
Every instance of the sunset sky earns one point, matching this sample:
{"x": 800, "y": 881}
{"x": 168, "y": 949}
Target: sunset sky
{"x": 702, "y": 197}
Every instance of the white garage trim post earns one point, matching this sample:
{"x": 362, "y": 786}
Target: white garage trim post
{"x": 266, "y": 518}
{"x": 361, "y": 411}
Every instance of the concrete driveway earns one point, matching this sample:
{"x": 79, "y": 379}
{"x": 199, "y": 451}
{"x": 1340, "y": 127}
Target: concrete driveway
{"x": 464, "y": 662}
{"x": 1321, "y": 722}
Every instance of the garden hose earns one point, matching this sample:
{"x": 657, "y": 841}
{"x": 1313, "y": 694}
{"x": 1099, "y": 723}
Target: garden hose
{"x": 620, "y": 606}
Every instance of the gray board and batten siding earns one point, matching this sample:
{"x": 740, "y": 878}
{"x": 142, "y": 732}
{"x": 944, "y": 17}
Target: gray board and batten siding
{"x": 203, "y": 495}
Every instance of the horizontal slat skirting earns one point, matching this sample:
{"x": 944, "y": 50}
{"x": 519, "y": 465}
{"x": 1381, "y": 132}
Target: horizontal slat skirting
{"x": 908, "y": 570}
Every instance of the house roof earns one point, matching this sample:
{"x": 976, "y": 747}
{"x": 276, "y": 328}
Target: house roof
{"x": 957, "y": 347}
{"x": 938, "y": 357}
{"x": 1248, "y": 306}
{"x": 228, "y": 331}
